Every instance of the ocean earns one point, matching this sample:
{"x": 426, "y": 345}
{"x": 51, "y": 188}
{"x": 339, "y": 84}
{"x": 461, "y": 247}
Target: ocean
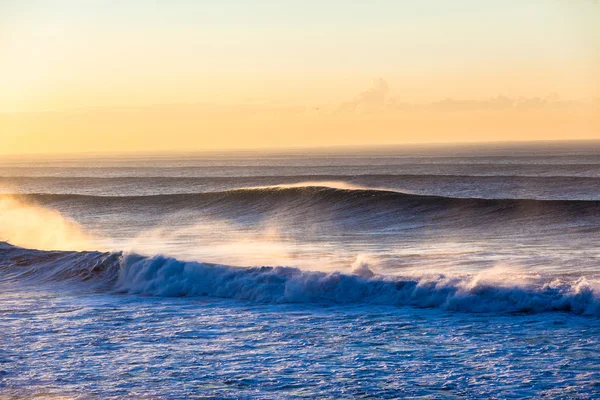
{"x": 403, "y": 272}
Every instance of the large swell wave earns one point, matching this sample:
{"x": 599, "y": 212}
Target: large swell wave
{"x": 322, "y": 195}
{"x": 116, "y": 272}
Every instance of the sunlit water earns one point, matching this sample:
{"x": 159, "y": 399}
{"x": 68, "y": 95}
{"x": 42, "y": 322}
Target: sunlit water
{"x": 383, "y": 293}
{"x": 115, "y": 346}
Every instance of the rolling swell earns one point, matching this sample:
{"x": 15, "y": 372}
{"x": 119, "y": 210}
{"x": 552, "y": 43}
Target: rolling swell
{"x": 464, "y": 186}
{"x": 321, "y": 199}
{"x": 169, "y": 277}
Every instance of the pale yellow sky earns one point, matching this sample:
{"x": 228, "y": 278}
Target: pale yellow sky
{"x": 135, "y": 75}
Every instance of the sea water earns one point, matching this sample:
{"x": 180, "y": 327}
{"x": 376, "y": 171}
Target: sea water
{"x": 462, "y": 271}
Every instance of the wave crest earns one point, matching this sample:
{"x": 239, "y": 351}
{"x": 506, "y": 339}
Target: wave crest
{"x": 344, "y": 204}
{"x": 164, "y": 276}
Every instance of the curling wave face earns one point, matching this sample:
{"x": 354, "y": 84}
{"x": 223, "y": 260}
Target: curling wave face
{"x": 332, "y": 198}
{"x": 552, "y": 187}
{"x": 116, "y": 272}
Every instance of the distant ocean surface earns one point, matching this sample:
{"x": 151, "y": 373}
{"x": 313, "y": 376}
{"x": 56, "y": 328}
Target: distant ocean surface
{"x": 423, "y": 272}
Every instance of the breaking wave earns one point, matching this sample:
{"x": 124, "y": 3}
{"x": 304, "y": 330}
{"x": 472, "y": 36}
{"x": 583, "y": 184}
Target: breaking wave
{"x": 116, "y": 272}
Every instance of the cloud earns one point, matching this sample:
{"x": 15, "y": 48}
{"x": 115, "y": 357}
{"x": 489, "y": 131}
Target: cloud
{"x": 378, "y": 98}
{"x": 375, "y": 98}
{"x": 503, "y": 103}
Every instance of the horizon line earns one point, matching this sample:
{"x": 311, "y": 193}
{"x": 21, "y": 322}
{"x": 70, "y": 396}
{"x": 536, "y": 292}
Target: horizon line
{"x": 310, "y": 148}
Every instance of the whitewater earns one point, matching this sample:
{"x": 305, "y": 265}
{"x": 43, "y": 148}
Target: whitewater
{"x": 419, "y": 272}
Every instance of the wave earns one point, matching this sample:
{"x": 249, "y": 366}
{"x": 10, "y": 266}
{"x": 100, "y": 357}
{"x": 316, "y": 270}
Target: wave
{"x": 331, "y": 197}
{"x": 464, "y": 186}
{"x": 121, "y": 273}
{"x": 458, "y": 186}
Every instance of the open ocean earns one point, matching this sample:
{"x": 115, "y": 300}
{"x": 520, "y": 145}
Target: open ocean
{"x": 416, "y": 272}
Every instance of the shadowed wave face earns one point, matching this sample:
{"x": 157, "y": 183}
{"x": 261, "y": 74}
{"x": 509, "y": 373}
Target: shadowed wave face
{"x": 337, "y": 199}
{"x": 163, "y": 276}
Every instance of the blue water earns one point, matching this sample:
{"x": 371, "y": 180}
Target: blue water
{"x": 128, "y": 346}
{"x": 429, "y": 273}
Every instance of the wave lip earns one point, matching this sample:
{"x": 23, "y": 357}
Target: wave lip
{"x": 163, "y": 276}
{"x": 169, "y": 277}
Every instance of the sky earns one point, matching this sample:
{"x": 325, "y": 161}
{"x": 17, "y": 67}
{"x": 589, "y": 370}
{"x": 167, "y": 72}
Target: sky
{"x": 142, "y": 75}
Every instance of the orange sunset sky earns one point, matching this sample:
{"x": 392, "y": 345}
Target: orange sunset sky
{"x": 106, "y": 76}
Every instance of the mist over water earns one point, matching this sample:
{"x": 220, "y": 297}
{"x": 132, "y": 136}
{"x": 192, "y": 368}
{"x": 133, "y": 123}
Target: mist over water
{"x": 469, "y": 245}
{"x": 29, "y": 225}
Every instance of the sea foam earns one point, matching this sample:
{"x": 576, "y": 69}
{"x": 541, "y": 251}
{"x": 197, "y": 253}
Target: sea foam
{"x": 169, "y": 277}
